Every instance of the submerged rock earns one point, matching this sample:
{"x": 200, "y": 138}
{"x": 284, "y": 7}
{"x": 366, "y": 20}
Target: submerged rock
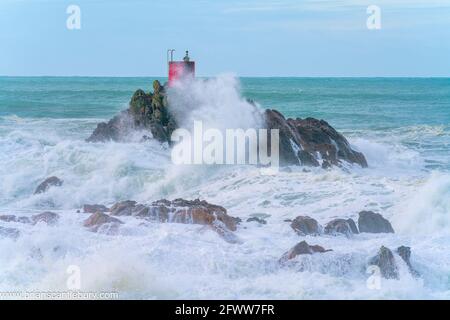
{"x": 305, "y": 225}
{"x": 386, "y": 262}
{"x": 100, "y": 220}
{"x": 300, "y": 249}
{"x": 256, "y": 219}
{"x": 343, "y": 226}
{"x": 93, "y": 208}
{"x": 372, "y": 222}
{"x": 306, "y": 141}
{"x": 47, "y": 183}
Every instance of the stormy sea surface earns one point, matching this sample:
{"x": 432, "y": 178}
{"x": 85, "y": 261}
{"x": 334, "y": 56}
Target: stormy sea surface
{"x": 401, "y": 125}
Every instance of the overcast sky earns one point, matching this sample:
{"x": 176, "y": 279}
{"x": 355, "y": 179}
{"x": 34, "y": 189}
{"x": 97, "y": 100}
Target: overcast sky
{"x": 248, "y": 37}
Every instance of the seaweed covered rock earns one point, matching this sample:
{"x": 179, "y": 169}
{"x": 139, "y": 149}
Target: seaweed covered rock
{"x": 311, "y": 141}
{"x": 47, "y": 183}
{"x": 147, "y": 112}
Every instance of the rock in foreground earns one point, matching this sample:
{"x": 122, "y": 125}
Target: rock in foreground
{"x": 300, "y": 249}
{"x": 343, "y": 226}
{"x": 100, "y": 220}
{"x": 386, "y": 262}
{"x": 93, "y": 208}
{"x": 372, "y": 222}
{"x": 47, "y": 217}
{"x": 405, "y": 254}
{"x": 305, "y": 225}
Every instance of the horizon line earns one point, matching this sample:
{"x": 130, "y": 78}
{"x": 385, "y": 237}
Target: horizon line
{"x": 202, "y": 77}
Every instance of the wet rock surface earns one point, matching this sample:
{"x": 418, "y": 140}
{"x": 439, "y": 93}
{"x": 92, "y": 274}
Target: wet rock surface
{"x": 147, "y": 112}
{"x": 372, "y": 222}
{"x": 302, "y": 248}
{"x": 405, "y": 253}
{"x": 341, "y": 226}
{"x": 178, "y": 211}
{"x": 47, "y": 183}
{"x": 93, "y": 208}
{"x": 99, "y": 219}
{"x": 305, "y": 225}
{"x": 386, "y": 262}
{"x": 306, "y": 141}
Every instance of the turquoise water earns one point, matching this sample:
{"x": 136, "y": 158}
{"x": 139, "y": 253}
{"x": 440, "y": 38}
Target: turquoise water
{"x": 369, "y": 103}
{"x": 401, "y": 125}
{"x": 377, "y": 106}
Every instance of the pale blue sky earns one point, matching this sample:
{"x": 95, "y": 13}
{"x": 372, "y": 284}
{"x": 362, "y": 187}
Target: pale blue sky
{"x": 248, "y": 37}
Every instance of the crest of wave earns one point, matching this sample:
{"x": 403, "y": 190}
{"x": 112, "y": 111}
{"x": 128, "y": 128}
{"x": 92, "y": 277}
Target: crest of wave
{"x": 217, "y": 102}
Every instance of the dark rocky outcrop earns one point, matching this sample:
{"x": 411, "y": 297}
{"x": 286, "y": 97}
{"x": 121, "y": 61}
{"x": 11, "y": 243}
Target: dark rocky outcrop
{"x": 9, "y": 232}
{"x": 405, "y": 253}
{"x": 300, "y": 249}
{"x": 47, "y": 217}
{"x": 47, "y": 183}
{"x": 100, "y": 220}
{"x": 93, "y": 208}
{"x": 147, "y": 112}
{"x": 305, "y": 225}
{"x": 372, "y": 222}
{"x": 343, "y": 226}
{"x": 386, "y": 262}
{"x": 256, "y": 219}
{"x": 306, "y": 141}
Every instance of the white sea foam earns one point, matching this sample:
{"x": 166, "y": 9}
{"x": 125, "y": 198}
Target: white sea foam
{"x": 153, "y": 260}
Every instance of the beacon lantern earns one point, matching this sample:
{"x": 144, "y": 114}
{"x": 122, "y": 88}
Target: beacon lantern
{"x": 180, "y": 69}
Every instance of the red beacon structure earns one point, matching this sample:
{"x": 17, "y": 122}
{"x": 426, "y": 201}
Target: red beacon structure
{"x": 180, "y": 69}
